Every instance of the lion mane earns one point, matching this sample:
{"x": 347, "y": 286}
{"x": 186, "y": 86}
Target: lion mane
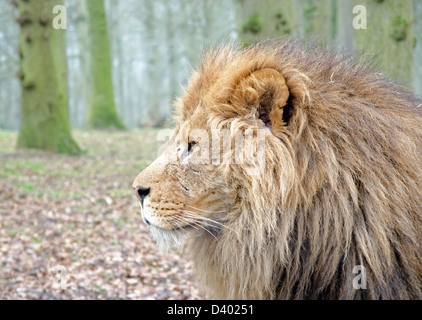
{"x": 342, "y": 185}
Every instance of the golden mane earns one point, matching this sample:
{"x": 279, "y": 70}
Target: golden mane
{"x": 343, "y": 189}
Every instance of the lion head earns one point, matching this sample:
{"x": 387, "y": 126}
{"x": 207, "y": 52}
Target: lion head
{"x": 288, "y": 168}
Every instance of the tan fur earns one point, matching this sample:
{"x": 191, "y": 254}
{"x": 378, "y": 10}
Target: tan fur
{"x": 341, "y": 187}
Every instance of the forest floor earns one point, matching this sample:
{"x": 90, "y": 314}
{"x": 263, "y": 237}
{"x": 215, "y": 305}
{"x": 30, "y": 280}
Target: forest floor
{"x": 70, "y": 226}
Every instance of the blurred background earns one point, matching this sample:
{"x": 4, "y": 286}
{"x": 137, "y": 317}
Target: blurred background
{"x": 86, "y": 86}
{"x": 154, "y": 45}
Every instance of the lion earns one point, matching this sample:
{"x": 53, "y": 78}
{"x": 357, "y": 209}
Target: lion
{"x": 334, "y": 209}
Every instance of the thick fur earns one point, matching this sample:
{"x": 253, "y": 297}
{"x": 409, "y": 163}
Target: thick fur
{"x": 342, "y": 184}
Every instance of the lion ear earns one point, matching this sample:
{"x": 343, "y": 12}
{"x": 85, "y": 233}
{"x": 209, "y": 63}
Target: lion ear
{"x": 265, "y": 90}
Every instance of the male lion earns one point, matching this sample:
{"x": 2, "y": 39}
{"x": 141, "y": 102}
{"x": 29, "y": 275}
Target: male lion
{"x": 334, "y": 209}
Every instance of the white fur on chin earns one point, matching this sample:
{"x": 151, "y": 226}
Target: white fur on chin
{"x": 168, "y": 240}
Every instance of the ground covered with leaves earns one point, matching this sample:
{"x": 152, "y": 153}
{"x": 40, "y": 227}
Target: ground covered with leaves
{"x": 70, "y": 226}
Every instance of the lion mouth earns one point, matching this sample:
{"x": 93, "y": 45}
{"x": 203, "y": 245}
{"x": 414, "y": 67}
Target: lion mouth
{"x": 187, "y": 226}
{"x": 177, "y": 228}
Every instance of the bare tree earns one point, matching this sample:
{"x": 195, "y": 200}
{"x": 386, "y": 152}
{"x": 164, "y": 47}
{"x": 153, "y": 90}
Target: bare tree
{"x": 45, "y": 123}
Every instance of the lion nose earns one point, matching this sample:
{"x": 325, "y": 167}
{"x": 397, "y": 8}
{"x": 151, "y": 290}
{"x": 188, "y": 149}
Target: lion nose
{"x": 141, "y": 193}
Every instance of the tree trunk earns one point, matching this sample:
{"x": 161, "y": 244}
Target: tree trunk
{"x": 44, "y": 119}
{"x": 389, "y": 35}
{"x": 79, "y": 77}
{"x": 344, "y": 25}
{"x": 152, "y": 40}
{"x": 103, "y": 109}
{"x": 10, "y": 91}
{"x": 319, "y": 20}
{"x": 269, "y": 20}
{"x": 417, "y": 53}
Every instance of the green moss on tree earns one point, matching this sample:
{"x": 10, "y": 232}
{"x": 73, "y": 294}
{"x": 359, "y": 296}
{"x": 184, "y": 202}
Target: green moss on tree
{"x": 270, "y": 19}
{"x": 253, "y": 24}
{"x": 245, "y": 44}
{"x": 44, "y": 120}
{"x": 399, "y": 29}
{"x": 103, "y": 109}
{"x": 281, "y": 23}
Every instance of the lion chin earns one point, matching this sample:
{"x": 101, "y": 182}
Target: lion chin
{"x": 292, "y": 173}
{"x": 167, "y": 240}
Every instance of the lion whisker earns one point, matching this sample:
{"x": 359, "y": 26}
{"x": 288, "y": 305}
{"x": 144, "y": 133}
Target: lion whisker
{"x": 179, "y": 225}
{"x": 196, "y": 216}
{"x": 204, "y": 211}
{"x": 194, "y": 224}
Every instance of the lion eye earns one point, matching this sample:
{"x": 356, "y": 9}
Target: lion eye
{"x": 190, "y": 146}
